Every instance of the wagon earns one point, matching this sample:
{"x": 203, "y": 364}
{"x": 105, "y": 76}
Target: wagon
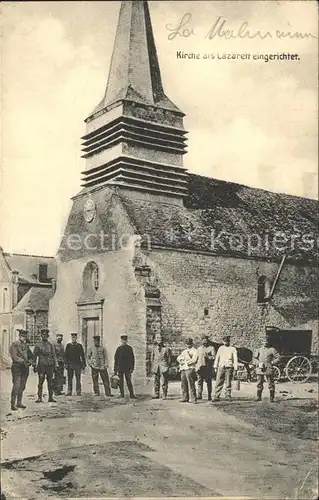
{"x": 294, "y": 347}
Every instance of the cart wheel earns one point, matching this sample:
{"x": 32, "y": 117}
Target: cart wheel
{"x": 298, "y": 369}
{"x": 276, "y": 373}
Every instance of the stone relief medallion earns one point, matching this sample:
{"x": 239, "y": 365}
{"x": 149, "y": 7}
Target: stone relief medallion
{"x": 89, "y": 210}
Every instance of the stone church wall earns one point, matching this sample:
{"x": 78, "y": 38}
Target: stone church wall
{"x": 203, "y": 294}
{"x": 124, "y": 309}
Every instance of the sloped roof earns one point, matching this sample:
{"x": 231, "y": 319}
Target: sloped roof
{"x": 37, "y": 299}
{"x": 28, "y": 266}
{"x": 216, "y": 211}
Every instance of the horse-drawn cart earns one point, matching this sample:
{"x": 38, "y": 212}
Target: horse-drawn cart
{"x": 294, "y": 346}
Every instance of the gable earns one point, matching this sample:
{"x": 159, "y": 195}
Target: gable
{"x": 108, "y": 231}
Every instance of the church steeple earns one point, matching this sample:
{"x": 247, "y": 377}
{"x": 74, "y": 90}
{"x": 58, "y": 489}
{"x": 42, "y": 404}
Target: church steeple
{"x": 135, "y": 136}
{"x": 135, "y": 71}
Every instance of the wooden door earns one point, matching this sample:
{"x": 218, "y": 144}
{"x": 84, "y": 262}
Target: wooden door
{"x": 91, "y": 327}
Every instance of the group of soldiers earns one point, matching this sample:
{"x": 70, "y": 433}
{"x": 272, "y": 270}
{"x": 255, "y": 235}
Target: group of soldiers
{"x": 49, "y": 361}
{"x": 203, "y": 362}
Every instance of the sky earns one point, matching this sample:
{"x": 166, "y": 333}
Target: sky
{"x": 249, "y": 121}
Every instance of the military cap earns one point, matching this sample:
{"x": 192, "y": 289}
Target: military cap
{"x": 124, "y": 337}
{"x": 74, "y": 334}
{"x": 96, "y": 336}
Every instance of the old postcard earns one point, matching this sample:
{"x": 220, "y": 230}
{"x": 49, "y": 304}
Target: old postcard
{"x": 159, "y": 249}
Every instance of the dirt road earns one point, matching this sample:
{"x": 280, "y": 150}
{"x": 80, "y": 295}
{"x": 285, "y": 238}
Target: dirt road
{"x": 93, "y": 447}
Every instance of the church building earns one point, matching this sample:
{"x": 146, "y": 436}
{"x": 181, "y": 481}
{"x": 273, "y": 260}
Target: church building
{"x": 149, "y": 247}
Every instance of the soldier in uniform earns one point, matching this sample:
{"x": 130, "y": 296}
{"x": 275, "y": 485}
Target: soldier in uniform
{"x": 98, "y": 361}
{"x": 124, "y": 362}
{"x": 59, "y": 372}
{"x": 204, "y": 367}
{"x": 161, "y": 360}
{"x": 19, "y": 353}
{"x": 264, "y": 358}
{"x": 45, "y": 362}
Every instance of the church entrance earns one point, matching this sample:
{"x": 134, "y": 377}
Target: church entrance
{"x": 90, "y": 321}
{"x": 90, "y": 327}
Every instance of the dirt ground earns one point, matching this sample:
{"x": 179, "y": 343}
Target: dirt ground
{"x": 88, "y": 446}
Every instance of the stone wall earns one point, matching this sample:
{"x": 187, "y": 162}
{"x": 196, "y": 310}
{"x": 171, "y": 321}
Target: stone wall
{"x": 204, "y": 294}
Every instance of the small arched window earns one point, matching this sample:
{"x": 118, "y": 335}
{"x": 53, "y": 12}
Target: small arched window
{"x": 263, "y": 289}
{"x": 91, "y": 277}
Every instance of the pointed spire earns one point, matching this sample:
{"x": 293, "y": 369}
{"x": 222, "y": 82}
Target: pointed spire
{"x": 135, "y": 73}
{"x": 135, "y": 138}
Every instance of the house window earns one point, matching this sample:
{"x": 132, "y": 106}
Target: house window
{"x": 5, "y": 342}
{"x": 4, "y": 300}
{"x": 263, "y": 290}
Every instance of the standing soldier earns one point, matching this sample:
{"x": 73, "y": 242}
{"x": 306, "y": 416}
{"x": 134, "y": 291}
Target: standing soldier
{"x": 45, "y": 362}
{"x": 97, "y": 360}
{"x": 226, "y": 365}
{"x": 187, "y": 362}
{"x": 204, "y": 367}
{"x": 75, "y": 362}
{"x": 265, "y": 357}
{"x": 59, "y": 372}
{"x": 124, "y": 363}
{"x": 161, "y": 360}
{"x": 19, "y": 369}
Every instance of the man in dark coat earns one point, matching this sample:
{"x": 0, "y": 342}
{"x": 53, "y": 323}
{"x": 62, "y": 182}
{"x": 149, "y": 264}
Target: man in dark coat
{"x": 45, "y": 362}
{"x": 19, "y": 353}
{"x": 75, "y": 362}
{"x": 204, "y": 367}
{"x": 124, "y": 363}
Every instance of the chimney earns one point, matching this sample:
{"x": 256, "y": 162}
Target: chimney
{"x": 43, "y": 273}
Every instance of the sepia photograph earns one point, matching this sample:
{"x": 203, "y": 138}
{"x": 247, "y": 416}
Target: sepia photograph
{"x": 159, "y": 249}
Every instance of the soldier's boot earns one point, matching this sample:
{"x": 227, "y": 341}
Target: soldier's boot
{"x": 39, "y": 400}
{"x": 13, "y": 403}
{"x": 272, "y": 396}
{"x": 164, "y": 396}
{"x": 19, "y": 402}
{"x": 200, "y": 395}
{"x": 51, "y": 400}
{"x": 259, "y": 393}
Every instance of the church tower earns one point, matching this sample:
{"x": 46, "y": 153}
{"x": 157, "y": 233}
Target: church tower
{"x": 135, "y": 137}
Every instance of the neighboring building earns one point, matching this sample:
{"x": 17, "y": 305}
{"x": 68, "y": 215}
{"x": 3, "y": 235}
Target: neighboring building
{"x": 26, "y": 283}
{"x": 149, "y": 247}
